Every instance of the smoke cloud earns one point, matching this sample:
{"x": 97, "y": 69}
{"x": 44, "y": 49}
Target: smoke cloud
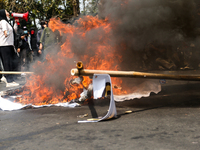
{"x": 145, "y": 33}
{"x": 142, "y": 23}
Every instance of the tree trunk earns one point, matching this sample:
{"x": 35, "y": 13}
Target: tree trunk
{"x": 76, "y": 8}
{"x": 84, "y": 7}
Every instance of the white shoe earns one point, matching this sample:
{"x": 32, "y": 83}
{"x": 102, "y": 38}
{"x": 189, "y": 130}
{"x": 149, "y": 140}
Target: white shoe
{"x": 12, "y": 84}
{"x": 3, "y": 79}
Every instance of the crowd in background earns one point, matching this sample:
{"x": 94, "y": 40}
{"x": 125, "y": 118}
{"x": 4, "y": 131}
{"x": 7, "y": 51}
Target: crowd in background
{"x": 29, "y": 48}
{"x": 20, "y": 46}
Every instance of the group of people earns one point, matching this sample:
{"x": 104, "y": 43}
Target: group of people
{"x": 19, "y": 47}
{"x": 29, "y": 48}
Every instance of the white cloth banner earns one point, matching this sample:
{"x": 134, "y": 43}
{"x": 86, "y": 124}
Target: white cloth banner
{"x": 99, "y": 84}
{"x": 9, "y": 105}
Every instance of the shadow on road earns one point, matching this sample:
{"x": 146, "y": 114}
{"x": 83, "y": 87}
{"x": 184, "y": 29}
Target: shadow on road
{"x": 185, "y": 95}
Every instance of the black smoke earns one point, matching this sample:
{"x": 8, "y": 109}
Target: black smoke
{"x": 153, "y": 28}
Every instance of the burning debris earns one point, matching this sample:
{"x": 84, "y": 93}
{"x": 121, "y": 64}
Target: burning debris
{"x": 139, "y": 35}
{"x": 86, "y": 94}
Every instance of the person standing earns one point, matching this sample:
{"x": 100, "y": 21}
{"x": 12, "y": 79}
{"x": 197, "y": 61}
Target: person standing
{"x": 25, "y": 49}
{"x": 47, "y": 40}
{"x": 29, "y": 51}
{"x": 7, "y": 49}
{"x": 39, "y": 34}
{"x": 33, "y": 42}
{"x": 22, "y": 50}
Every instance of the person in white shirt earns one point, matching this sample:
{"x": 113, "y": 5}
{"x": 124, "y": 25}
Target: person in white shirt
{"x": 7, "y": 49}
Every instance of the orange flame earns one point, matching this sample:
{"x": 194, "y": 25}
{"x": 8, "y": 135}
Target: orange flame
{"x": 41, "y": 87}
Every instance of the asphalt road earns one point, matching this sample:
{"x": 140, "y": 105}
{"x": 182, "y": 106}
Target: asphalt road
{"x": 166, "y": 121}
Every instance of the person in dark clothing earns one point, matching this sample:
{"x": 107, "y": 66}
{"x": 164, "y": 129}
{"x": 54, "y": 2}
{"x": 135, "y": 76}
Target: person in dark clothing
{"x": 40, "y": 53}
{"x": 34, "y": 45}
{"x": 39, "y": 33}
{"x": 23, "y": 49}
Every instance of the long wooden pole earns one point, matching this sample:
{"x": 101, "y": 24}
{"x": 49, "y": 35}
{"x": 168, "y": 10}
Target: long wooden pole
{"x": 133, "y": 74}
{"x": 14, "y": 72}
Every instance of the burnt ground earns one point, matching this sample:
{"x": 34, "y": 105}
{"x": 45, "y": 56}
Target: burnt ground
{"x": 168, "y": 120}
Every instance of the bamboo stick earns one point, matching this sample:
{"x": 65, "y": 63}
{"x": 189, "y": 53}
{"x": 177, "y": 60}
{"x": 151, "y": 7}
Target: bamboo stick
{"x": 14, "y": 72}
{"x": 133, "y": 74}
{"x": 79, "y": 65}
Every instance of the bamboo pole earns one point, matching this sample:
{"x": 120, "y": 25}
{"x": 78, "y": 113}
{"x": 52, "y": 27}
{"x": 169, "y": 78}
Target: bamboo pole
{"x": 14, "y": 72}
{"x": 133, "y": 74}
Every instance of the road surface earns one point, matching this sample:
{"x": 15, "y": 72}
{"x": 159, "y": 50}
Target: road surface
{"x": 166, "y": 121}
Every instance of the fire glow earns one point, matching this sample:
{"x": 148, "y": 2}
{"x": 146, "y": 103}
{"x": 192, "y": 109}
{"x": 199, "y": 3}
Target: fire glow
{"x": 51, "y": 82}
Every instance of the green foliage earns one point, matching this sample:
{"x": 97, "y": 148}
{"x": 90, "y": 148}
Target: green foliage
{"x": 2, "y": 4}
{"x": 41, "y": 9}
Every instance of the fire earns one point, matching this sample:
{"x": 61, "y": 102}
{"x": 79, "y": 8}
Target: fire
{"x": 51, "y": 82}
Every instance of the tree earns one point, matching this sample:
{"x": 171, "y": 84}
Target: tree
{"x": 76, "y": 9}
{"x": 2, "y": 4}
{"x": 90, "y": 7}
{"x": 43, "y": 9}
